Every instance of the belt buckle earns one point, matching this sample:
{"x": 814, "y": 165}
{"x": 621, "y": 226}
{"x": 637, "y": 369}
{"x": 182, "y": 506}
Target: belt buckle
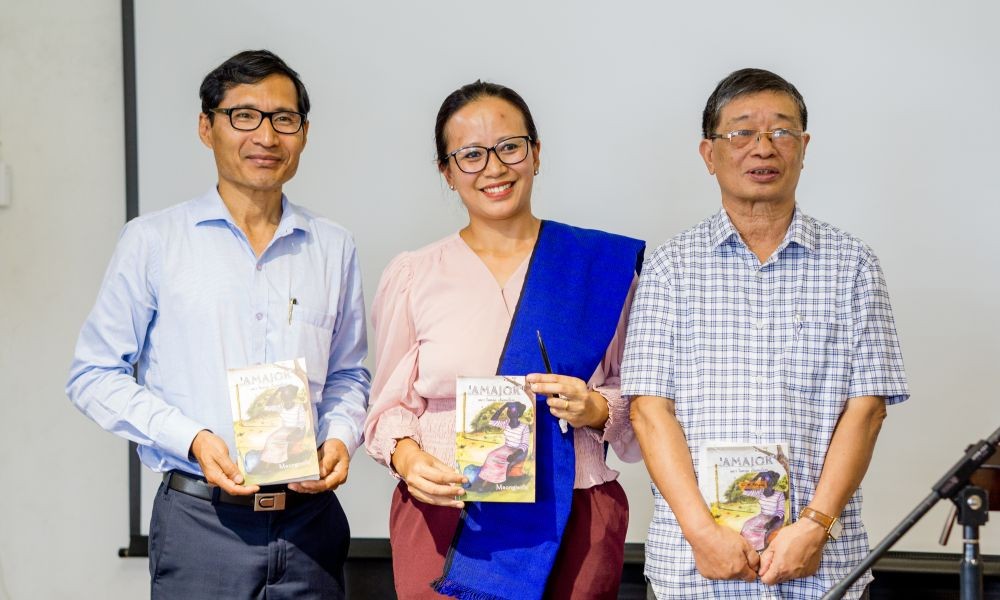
{"x": 269, "y": 502}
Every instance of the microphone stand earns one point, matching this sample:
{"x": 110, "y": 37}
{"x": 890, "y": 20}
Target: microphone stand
{"x": 972, "y": 506}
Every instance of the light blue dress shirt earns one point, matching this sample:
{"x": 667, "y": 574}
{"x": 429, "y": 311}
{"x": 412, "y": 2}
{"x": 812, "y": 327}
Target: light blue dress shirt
{"x": 185, "y": 299}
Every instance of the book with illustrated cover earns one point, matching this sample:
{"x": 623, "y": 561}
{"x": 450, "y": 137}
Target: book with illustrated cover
{"x": 495, "y": 438}
{"x": 273, "y": 422}
{"x": 746, "y": 486}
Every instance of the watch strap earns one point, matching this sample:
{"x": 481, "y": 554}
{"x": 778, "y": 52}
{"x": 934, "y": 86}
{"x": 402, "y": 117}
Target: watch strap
{"x": 825, "y": 521}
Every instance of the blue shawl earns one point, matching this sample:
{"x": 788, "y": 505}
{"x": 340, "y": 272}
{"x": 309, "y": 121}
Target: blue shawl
{"x": 573, "y": 293}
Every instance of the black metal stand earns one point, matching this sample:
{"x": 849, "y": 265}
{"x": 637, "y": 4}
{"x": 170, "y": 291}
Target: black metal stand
{"x": 973, "y": 511}
{"x": 953, "y": 485}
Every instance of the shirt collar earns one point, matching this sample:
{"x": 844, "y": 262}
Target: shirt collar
{"x": 210, "y": 207}
{"x": 801, "y": 231}
{"x": 721, "y": 229}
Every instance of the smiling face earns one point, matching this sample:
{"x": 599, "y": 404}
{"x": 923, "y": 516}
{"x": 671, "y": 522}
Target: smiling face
{"x": 759, "y": 172}
{"x": 500, "y": 191}
{"x": 259, "y": 161}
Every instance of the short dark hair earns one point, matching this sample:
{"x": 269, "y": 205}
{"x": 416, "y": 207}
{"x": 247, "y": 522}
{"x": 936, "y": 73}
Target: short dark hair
{"x": 468, "y": 93}
{"x": 249, "y": 66}
{"x": 743, "y": 82}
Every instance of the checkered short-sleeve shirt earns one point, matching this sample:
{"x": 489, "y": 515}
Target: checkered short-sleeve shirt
{"x": 753, "y": 352}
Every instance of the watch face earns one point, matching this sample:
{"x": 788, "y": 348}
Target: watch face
{"x": 836, "y": 528}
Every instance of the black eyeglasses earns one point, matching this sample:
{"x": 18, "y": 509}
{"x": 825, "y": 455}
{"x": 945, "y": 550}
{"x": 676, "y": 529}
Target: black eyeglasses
{"x": 248, "y": 119}
{"x": 473, "y": 159}
{"x": 785, "y": 139}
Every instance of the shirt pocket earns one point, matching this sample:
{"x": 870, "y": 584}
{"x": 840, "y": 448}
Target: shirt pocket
{"x": 312, "y": 335}
{"x": 816, "y": 365}
{"x": 312, "y": 317}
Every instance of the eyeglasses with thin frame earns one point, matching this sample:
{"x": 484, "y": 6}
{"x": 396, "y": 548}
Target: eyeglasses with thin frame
{"x": 509, "y": 151}
{"x": 249, "y": 119}
{"x": 783, "y": 138}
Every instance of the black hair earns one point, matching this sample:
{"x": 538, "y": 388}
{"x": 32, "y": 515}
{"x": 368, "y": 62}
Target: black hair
{"x": 743, "y": 82}
{"x": 469, "y": 93}
{"x": 770, "y": 477}
{"x": 518, "y": 409}
{"x": 247, "y": 67}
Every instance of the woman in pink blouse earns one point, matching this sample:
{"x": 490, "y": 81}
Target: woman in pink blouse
{"x": 445, "y": 310}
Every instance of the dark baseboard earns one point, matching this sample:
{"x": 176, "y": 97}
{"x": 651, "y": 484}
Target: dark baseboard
{"x": 909, "y": 575}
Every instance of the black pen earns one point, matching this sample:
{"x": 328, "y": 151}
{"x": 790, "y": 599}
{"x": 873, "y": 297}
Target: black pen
{"x": 563, "y": 426}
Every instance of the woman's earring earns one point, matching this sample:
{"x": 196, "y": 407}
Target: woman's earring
{"x": 536, "y": 171}
{"x": 452, "y": 187}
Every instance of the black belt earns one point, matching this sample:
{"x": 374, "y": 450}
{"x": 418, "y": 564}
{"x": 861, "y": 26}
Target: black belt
{"x": 270, "y": 498}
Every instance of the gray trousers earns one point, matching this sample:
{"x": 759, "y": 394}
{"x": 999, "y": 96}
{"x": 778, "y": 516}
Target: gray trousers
{"x": 199, "y": 549}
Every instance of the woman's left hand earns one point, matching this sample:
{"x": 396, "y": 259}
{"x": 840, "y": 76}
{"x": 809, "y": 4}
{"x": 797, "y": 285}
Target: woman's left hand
{"x": 571, "y": 399}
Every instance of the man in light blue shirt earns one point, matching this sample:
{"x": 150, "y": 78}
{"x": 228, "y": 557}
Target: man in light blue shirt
{"x": 237, "y": 277}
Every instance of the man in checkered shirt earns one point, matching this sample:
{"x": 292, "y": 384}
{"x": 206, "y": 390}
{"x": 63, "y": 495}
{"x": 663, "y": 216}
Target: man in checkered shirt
{"x": 760, "y": 325}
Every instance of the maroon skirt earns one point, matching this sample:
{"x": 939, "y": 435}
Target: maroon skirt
{"x": 589, "y": 563}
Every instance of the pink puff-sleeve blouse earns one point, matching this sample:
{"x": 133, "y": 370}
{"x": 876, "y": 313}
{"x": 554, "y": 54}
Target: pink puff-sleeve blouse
{"x": 439, "y": 313}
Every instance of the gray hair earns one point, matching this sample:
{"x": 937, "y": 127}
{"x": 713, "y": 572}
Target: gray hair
{"x": 743, "y": 82}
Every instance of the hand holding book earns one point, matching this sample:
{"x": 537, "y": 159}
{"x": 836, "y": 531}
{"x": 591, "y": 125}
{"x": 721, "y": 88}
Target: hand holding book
{"x": 721, "y": 553}
{"x": 334, "y": 462}
{"x": 428, "y": 479}
{"x": 795, "y": 552}
{"x": 213, "y": 457}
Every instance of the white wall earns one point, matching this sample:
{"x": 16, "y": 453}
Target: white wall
{"x": 903, "y": 155}
{"x": 900, "y": 96}
{"x": 63, "y": 496}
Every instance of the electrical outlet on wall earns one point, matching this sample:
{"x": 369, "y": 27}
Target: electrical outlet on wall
{"x": 5, "y": 186}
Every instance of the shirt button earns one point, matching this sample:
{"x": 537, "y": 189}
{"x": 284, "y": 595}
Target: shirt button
{"x": 259, "y": 267}
{"x": 753, "y": 380}
{"x": 760, "y": 323}
{"x": 259, "y": 316}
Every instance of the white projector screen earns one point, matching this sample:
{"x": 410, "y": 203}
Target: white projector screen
{"x": 901, "y": 99}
